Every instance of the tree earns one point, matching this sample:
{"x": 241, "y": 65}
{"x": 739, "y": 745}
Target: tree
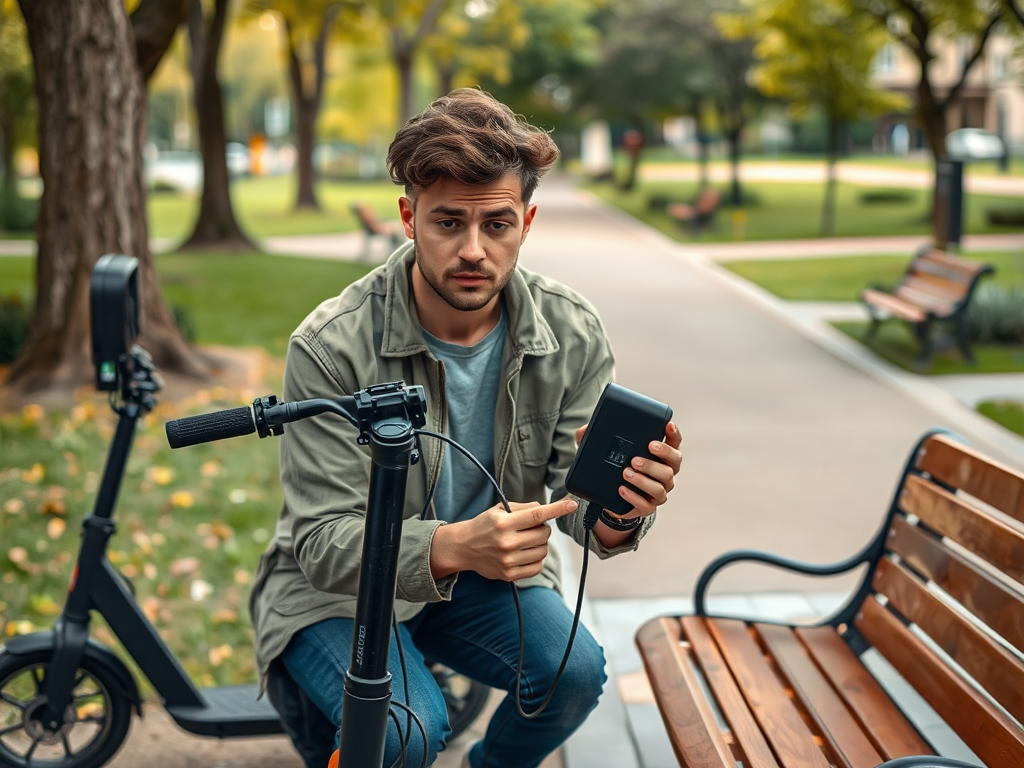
{"x": 817, "y": 54}
{"x": 918, "y": 25}
{"x": 408, "y": 23}
{"x": 475, "y": 41}
{"x": 92, "y": 125}
{"x": 308, "y": 27}
{"x": 216, "y": 225}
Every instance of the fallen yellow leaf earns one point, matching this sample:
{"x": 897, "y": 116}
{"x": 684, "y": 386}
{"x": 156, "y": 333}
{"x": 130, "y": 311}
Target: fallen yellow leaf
{"x": 34, "y": 475}
{"x": 225, "y": 616}
{"x": 32, "y": 413}
{"x": 53, "y": 507}
{"x": 182, "y": 499}
{"x": 160, "y": 475}
{"x": 14, "y": 506}
{"x": 151, "y": 607}
{"x": 55, "y": 528}
{"x": 222, "y": 530}
{"x": 17, "y": 555}
{"x": 150, "y": 571}
{"x": 183, "y": 567}
{"x": 142, "y": 541}
{"x": 210, "y": 469}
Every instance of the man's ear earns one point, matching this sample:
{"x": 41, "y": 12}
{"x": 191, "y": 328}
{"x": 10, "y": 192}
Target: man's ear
{"x": 531, "y": 211}
{"x": 407, "y": 211}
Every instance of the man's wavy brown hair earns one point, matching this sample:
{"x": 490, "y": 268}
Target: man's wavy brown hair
{"x": 473, "y": 138}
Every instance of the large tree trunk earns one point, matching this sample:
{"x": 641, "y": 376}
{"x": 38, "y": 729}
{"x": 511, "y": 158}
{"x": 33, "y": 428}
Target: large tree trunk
{"x": 403, "y": 62}
{"x": 216, "y": 226}
{"x": 828, "y": 211}
{"x": 307, "y": 81}
{"x": 92, "y": 124}
{"x": 732, "y": 136}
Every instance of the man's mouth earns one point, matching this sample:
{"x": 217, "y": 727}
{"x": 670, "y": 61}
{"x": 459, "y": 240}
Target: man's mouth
{"x": 470, "y": 278}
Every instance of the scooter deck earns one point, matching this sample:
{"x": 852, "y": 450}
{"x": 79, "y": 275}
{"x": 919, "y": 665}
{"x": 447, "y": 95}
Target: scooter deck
{"x": 231, "y": 711}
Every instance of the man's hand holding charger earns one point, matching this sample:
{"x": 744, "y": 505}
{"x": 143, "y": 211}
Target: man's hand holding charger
{"x": 625, "y": 466}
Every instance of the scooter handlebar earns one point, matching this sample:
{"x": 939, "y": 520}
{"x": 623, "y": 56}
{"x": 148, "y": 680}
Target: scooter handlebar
{"x": 207, "y": 427}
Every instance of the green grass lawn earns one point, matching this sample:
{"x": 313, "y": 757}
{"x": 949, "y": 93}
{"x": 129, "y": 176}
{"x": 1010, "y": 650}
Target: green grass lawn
{"x": 779, "y": 211}
{"x": 191, "y": 527}
{"x": 1005, "y": 412}
{"x": 254, "y": 300}
{"x": 264, "y": 204}
{"x": 896, "y": 343}
{"x": 843, "y": 278}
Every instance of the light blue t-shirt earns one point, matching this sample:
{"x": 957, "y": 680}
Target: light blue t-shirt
{"x": 472, "y": 378}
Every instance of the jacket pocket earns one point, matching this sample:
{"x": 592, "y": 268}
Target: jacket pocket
{"x": 534, "y": 436}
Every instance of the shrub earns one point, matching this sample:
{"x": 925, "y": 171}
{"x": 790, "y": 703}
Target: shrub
{"x": 14, "y": 318}
{"x": 1009, "y": 217}
{"x": 886, "y": 197}
{"x": 996, "y": 313}
{"x": 17, "y": 213}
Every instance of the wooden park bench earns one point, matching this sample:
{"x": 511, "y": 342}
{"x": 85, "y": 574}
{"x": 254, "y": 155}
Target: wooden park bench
{"x": 373, "y": 228}
{"x": 937, "y": 287}
{"x": 942, "y": 600}
{"x": 698, "y": 215}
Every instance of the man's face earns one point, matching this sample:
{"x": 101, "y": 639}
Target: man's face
{"x": 467, "y": 237}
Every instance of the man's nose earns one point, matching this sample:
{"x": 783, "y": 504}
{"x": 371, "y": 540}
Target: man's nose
{"x": 472, "y": 247}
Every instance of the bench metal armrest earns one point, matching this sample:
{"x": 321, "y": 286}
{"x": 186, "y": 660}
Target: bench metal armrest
{"x": 926, "y": 761}
{"x": 753, "y": 555}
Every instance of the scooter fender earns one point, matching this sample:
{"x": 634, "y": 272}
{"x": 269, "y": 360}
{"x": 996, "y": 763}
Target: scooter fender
{"x": 23, "y": 645}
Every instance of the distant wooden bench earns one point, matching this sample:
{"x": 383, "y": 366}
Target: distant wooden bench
{"x": 700, "y": 214}
{"x": 937, "y": 287}
{"x": 373, "y": 228}
{"x": 942, "y": 600}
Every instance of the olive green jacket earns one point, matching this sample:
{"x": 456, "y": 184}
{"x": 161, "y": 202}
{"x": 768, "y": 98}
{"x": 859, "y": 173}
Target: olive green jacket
{"x": 556, "y": 363}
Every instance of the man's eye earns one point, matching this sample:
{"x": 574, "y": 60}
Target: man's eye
{"x": 446, "y": 224}
{"x": 499, "y": 226}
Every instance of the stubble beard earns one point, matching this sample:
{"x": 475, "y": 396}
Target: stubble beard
{"x": 452, "y": 296}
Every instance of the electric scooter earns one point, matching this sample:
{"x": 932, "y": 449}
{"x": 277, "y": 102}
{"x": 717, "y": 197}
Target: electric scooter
{"x": 66, "y": 700}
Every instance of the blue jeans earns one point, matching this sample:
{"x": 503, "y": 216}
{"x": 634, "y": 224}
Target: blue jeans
{"x": 477, "y": 635}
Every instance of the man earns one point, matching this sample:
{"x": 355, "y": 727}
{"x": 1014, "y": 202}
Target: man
{"x": 513, "y": 365}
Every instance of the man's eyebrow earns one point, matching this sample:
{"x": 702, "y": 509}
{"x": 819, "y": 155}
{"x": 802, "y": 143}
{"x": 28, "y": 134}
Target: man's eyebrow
{"x": 508, "y": 212}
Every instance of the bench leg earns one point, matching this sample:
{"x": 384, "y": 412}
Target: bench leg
{"x": 873, "y": 328}
{"x": 923, "y": 333}
{"x": 963, "y": 340}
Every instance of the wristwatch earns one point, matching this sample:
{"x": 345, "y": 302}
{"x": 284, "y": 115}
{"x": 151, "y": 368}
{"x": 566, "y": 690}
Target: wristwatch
{"x": 619, "y": 523}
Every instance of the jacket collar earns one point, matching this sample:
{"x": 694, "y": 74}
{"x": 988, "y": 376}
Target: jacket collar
{"x": 403, "y": 336}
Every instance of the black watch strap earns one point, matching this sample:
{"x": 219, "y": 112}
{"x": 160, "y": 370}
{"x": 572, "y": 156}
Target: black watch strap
{"x": 618, "y": 523}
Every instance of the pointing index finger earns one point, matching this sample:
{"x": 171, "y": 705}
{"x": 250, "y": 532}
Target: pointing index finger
{"x": 531, "y": 518}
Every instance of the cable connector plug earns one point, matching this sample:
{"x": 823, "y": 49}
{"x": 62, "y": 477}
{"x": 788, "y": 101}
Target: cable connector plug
{"x": 591, "y": 516}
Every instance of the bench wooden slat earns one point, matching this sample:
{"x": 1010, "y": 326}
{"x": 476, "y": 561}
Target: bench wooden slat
{"x": 987, "y": 480}
{"x": 889, "y": 730}
{"x": 988, "y": 538}
{"x": 781, "y": 723}
{"x": 987, "y": 731}
{"x": 939, "y": 262}
{"x": 747, "y": 735}
{"x": 998, "y": 671}
{"x": 691, "y": 725}
{"x": 842, "y": 732}
{"x": 894, "y": 305}
{"x": 945, "y": 290}
{"x": 938, "y": 306}
{"x": 982, "y": 595}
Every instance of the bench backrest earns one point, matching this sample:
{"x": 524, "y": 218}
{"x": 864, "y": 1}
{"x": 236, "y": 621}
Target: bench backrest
{"x": 367, "y": 218}
{"x": 947, "y": 609}
{"x": 707, "y": 201}
{"x": 940, "y": 282}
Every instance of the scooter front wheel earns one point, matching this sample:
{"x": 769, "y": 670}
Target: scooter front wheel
{"x": 95, "y": 722}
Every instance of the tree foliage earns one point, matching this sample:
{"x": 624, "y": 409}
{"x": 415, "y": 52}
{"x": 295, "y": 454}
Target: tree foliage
{"x": 815, "y": 53}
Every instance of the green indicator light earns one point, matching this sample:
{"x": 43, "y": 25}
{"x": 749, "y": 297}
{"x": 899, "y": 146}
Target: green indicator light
{"x": 108, "y": 371}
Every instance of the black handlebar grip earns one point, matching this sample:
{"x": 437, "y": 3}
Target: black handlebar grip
{"x": 207, "y": 427}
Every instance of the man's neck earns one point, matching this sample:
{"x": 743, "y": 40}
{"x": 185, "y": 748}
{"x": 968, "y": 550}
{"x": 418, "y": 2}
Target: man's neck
{"x": 444, "y": 322}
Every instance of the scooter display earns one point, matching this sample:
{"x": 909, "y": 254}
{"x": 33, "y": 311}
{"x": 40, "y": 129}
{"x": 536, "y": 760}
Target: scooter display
{"x": 66, "y": 700}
